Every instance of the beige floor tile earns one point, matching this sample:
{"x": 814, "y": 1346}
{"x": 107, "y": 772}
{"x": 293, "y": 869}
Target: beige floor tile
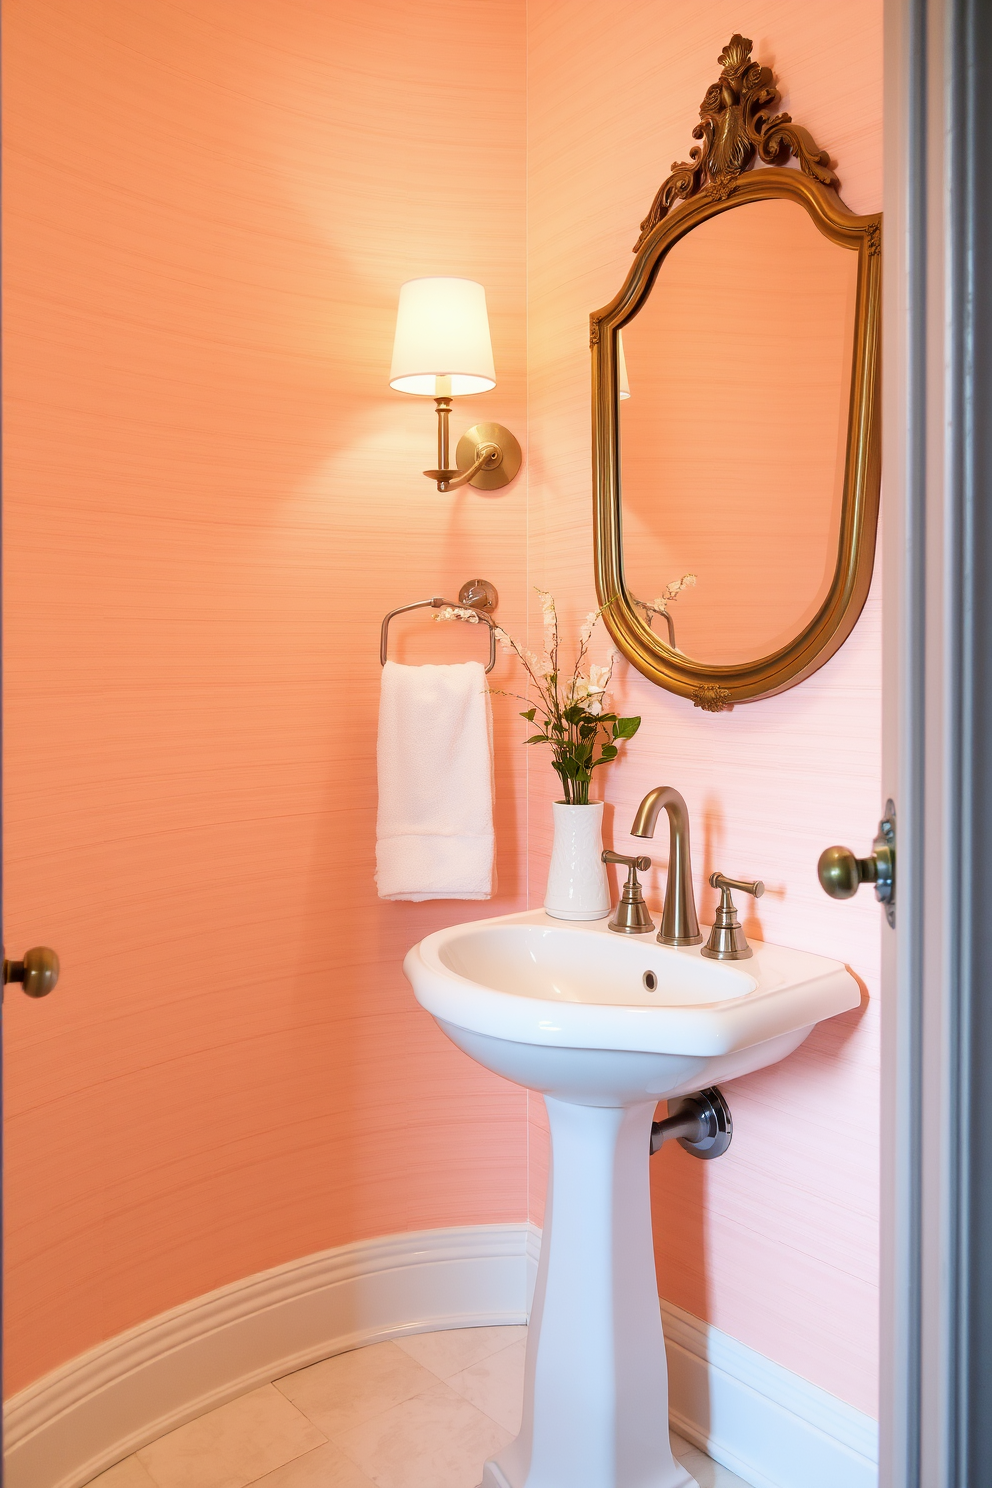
{"x": 232, "y": 1446}
{"x": 126, "y": 1474}
{"x": 446, "y": 1353}
{"x": 496, "y": 1385}
{"x": 679, "y": 1444}
{"x": 436, "y": 1440}
{"x": 709, "y": 1474}
{"x": 348, "y": 1389}
{"x": 394, "y": 1424}
{"x": 325, "y": 1467}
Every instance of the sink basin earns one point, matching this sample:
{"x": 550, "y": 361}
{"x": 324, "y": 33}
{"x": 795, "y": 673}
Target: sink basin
{"x": 526, "y": 996}
{"x": 605, "y": 1027}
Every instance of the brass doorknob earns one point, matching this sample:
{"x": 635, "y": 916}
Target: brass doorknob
{"x": 38, "y": 972}
{"x": 841, "y": 874}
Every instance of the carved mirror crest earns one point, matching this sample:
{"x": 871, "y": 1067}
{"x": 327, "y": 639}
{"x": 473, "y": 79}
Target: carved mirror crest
{"x": 736, "y": 422}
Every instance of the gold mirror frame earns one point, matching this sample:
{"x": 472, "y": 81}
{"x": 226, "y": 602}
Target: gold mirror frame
{"x": 736, "y": 132}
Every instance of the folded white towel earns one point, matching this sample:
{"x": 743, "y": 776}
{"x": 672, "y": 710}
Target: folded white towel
{"x": 435, "y": 824}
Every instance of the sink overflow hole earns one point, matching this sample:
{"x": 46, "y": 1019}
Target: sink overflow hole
{"x": 650, "y": 980}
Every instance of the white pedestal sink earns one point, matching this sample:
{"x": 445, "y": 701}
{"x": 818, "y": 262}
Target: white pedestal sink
{"x": 567, "y": 1010}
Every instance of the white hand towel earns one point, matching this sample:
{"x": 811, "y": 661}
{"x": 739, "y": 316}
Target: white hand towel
{"x": 435, "y": 754}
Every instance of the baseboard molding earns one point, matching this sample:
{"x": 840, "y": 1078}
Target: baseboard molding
{"x": 75, "y": 1422}
{"x": 771, "y": 1427}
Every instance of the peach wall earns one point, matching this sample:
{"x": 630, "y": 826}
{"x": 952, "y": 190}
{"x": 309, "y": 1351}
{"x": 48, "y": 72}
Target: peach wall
{"x": 211, "y": 498}
{"x": 776, "y": 1244}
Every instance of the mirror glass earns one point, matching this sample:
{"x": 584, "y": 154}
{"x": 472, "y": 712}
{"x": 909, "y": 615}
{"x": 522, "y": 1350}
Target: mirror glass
{"x": 734, "y": 434}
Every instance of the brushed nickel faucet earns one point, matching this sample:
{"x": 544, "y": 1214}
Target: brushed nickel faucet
{"x": 679, "y": 925}
{"x": 727, "y": 940}
{"x": 631, "y": 916}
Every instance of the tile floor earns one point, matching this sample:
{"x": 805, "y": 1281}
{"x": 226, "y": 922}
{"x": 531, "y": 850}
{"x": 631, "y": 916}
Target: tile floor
{"x": 422, "y": 1412}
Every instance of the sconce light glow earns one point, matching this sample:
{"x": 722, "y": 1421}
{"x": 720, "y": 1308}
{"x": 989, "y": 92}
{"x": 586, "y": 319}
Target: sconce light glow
{"x": 442, "y": 332}
{"x": 624, "y": 388}
{"x": 442, "y": 349}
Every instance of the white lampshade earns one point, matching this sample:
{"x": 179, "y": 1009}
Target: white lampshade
{"x": 442, "y": 331}
{"x": 622, "y": 368}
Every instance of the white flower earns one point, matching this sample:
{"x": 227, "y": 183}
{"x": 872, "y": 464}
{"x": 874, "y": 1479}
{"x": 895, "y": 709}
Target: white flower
{"x": 588, "y": 626}
{"x": 504, "y": 640}
{"x": 550, "y": 618}
{"x": 599, "y": 678}
{"x": 449, "y": 612}
{"x": 539, "y": 665}
{"x": 579, "y": 690}
{"x": 659, "y": 606}
{"x": 677, "y": 585}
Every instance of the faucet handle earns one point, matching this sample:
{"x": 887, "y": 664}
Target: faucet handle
{"x": 636, "y": 865}
{"x": 632, "y": 916}
{"x": 718, "y": 881}
{"x": 727, "y": 940}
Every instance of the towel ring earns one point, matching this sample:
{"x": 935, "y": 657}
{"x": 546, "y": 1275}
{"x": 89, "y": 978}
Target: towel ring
{"x": 478, "y": 595}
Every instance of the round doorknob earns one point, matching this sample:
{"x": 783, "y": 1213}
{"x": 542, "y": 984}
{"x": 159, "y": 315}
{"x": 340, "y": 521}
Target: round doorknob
{"x": 841, "y": 874}
{"x": 38, "y": 972}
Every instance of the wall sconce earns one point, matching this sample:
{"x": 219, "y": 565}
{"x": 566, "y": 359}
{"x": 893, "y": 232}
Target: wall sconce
{"x": 443, "y": 350}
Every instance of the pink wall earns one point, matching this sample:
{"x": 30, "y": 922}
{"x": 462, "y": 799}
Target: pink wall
{"x": 211, "y": 498}
{"x": 776, "y": 1244}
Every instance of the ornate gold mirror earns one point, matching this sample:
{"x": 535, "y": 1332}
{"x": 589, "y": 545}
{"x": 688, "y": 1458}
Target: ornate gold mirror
{"x": 736, "y": 410}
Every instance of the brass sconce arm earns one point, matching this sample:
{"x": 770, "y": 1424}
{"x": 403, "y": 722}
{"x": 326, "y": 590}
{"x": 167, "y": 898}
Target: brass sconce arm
{"x": 487, "y": 456}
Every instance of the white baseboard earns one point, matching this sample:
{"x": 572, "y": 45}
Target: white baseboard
{"x": 771, "y": 1427}
{"x": 80, "y": 1419}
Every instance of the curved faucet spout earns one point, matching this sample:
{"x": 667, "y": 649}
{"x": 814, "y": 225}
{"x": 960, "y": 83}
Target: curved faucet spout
{"x": 679, "y": 925}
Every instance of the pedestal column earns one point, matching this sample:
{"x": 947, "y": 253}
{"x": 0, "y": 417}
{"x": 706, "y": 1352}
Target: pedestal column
{"x": 596, "y": 1380}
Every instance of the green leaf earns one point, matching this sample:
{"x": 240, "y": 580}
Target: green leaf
{"x": 529, "y": 715}
{"x": 538, "y": 739}
{"x": 626, "y": 728}
{"x": 610, "y": 751}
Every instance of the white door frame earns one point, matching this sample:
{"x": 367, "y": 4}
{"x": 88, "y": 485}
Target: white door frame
{"x": 936, "y": 1401}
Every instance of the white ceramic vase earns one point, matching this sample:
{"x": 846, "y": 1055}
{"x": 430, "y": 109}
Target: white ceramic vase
{"x": 578, "y": 888}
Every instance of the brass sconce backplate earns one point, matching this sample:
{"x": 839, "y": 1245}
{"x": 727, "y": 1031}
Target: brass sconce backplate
{"x": 502, "y": 471}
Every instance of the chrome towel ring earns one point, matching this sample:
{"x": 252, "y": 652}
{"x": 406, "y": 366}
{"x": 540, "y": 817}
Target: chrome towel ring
{"x": 478, "y": 595}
